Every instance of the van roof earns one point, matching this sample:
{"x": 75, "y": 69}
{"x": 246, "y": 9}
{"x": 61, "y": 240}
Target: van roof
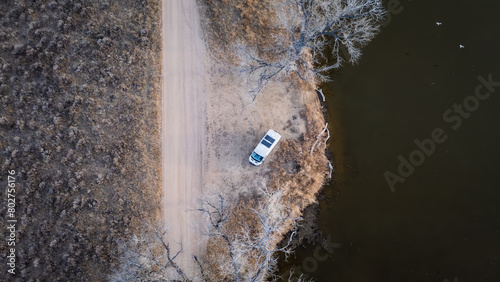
{"x": 273, "y": 134}
{"x": 265, "y": 145}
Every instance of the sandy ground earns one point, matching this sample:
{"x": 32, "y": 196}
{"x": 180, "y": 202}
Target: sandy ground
{"x": 183, "y": 116}
{"x": 235, "y": 125}
{"x": 210, "y": 126}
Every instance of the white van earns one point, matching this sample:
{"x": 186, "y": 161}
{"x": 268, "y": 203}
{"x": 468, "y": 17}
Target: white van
{"x": 266, "y": 145}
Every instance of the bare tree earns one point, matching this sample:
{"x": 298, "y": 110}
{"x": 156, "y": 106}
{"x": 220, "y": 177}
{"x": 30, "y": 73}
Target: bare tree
{"x": 148, "y": 257}
{"x": 250, "y": 251}
{"x": 299, "y": 279}
{"x": 257, "y": 248}
{"x": 307, "y": 29}
{"x": 215, "y": 212}
{"x": 252, "y": 247}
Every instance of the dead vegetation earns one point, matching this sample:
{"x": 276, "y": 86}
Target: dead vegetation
{"x": 312, "y": 35}
{"x": 247, "y": 249}
{"x": 79, "y": 86}
{"x": 241, "y": 249}
{"x": 293, "y": 171}
{"x": 243, "y": 222}
{"x": 229, "y": 21}
{"x": 309, "y": 170}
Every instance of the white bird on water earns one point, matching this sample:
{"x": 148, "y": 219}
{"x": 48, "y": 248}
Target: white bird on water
{"x": 438, "y": 23}
{"x": 461, "y": 46}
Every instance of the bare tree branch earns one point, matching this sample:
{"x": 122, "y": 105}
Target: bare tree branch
{"x": 330, "y": 167}
{"x": 215, "y": 212}
{"x": 148, "y": 257}
{"x": 251, "y": 249}
{"x": 320, "y": 91}
{"x": 308, "y": 29}
{"x": 257, "y": 249}
{"x": 319, "y": 136}
{"x": 202, "y": 269}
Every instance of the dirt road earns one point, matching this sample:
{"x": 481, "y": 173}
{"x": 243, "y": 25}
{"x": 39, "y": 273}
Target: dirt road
{"x": 183, "y": 111}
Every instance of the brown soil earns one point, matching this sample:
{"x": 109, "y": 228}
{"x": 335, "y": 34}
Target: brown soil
{"x": 79, "y": 86}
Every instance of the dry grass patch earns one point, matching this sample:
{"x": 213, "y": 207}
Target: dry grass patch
{"x": 80, "y": 85}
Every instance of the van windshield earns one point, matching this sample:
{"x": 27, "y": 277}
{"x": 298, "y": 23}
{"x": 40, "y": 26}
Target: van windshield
{"x": 256, "y": 157}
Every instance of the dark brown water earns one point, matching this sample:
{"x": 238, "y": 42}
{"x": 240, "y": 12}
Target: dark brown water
{"x": 443, "y": 222}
